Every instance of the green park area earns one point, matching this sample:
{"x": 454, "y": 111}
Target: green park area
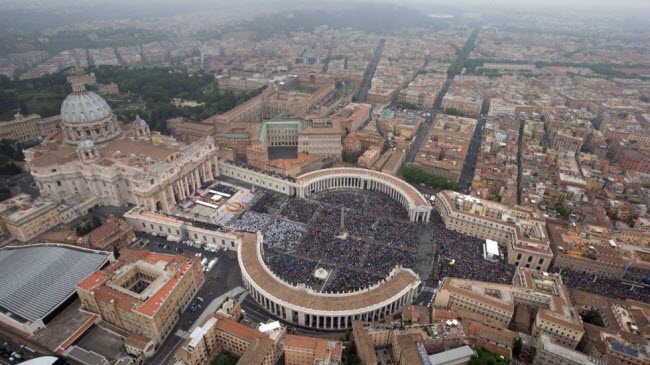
{"x": 147, "y": 92}
{"x": 42, "y": 96}
{"x": 225, "y": 358}
{"x": 416, "y": 176}
{"x": 485, "y": 357}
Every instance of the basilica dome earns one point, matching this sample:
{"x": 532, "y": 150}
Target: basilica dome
{"x": 84, "y": 106}
{"x": 87, "y": 116}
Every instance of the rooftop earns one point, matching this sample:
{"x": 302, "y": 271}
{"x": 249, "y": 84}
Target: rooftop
{"x": 35, "y": 279}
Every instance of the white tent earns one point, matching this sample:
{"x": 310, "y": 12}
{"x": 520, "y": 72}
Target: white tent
{"x": 491, "y": 250}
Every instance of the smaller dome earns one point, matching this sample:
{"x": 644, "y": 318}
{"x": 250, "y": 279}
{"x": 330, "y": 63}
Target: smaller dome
{"x": 139, "y": 123}
{"x": 86, "y": 145}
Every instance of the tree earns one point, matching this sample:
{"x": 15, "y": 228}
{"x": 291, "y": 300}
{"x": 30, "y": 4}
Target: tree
{"x": 562, "y": 211}
{"x": 346, "y": 336}
{"x": 350, "y": 356}
{"x": 224, "y": 359}
{"x": 10, "y": 169}
{"x": 116, "y": 252}
{"x": 417, "y": 175}
{"x": 22, "y": 107}
{"x": 516, "y": 347}
{"x": 593, "y": 317}
{"x": 455, "y": 112}
{"x": 409, "y": 106}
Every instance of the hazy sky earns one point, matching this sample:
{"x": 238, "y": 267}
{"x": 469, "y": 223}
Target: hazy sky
{"x": 587, "y": 4}
{"x": 634, "y": 7}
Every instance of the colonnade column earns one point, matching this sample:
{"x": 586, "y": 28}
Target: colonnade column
{"x": 180, "y": 189}
{"x": 171, "y": 192}
{"x": 198, "y": 177}
{"x": 165, "y": 203}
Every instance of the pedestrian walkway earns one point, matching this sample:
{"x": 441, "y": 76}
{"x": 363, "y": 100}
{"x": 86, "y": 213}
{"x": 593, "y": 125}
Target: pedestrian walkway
{"x": 209, "y": 310}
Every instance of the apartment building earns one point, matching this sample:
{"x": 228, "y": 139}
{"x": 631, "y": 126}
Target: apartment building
{"x": 566, "y": 141}
{"x": 25, "y": 128}
{"x": 408, "y": 344}
{"x": 521, "y": 230}
{"x": 303, "y": 350}
{"x": 422, "y": 91}
{"x": 352, "y": 116}
{"x": 495, "y": 303}
{"x": 31, "y": 219}
{"x": 321, "y": 137}
{"x": 445, "y": 146}
{"x": 217, "y": 333}
{"x": 549, "y": 352}
{"x": 576, "y": 253}
{"x": 143, "y": 292}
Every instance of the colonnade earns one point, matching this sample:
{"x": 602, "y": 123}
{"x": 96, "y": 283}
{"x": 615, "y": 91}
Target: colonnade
{"x": 330, "y": 321}
{"x": 348, "y": 182}
{"x": 183, "y": 187}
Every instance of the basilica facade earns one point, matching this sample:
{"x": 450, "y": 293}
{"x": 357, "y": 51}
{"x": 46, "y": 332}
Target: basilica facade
{"x": 94, "y": 156}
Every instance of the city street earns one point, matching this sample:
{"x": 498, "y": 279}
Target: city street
{"x": 370, "y": 72}
{"x": 225, "y": 276}
{"x": 469, "y": 167}
{"x": 8, "y": 347}
{"x": 422, "y": 131}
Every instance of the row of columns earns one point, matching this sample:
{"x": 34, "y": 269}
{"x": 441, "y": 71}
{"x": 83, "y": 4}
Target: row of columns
{"x": 361, "y": 183}
{"x": 79, "y": 133}
{"x": 184, "y": 186}
{"x": 421, "y": 216}
{"x": 328, "y": 322}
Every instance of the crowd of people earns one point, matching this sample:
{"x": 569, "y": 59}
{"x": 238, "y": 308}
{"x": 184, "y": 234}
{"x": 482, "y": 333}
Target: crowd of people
{"x": 379, "y": 239}
{"x": 227, "y": 189}
{"x": 602, "y": 286}
{"x": 283, "y": 234}
{"x": 293, "y": 270}
{"x": 382, "y": 205}
{"x": 366, "y": 252}
{"x": 383, "y": 259}
{"x": 461, "y": 256}
{"x": 359, "y": 225}
{"x": 299, "y": 210}
{"x": 371, "y": 202}
{"x": 350, "y": 199}
{"x": 251, "y": 222}
{"x": 345, "y": 252}
{"x": 346, "y": 280}
{"x": 268, "y": 203}
{"x": 396, "y": 233}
